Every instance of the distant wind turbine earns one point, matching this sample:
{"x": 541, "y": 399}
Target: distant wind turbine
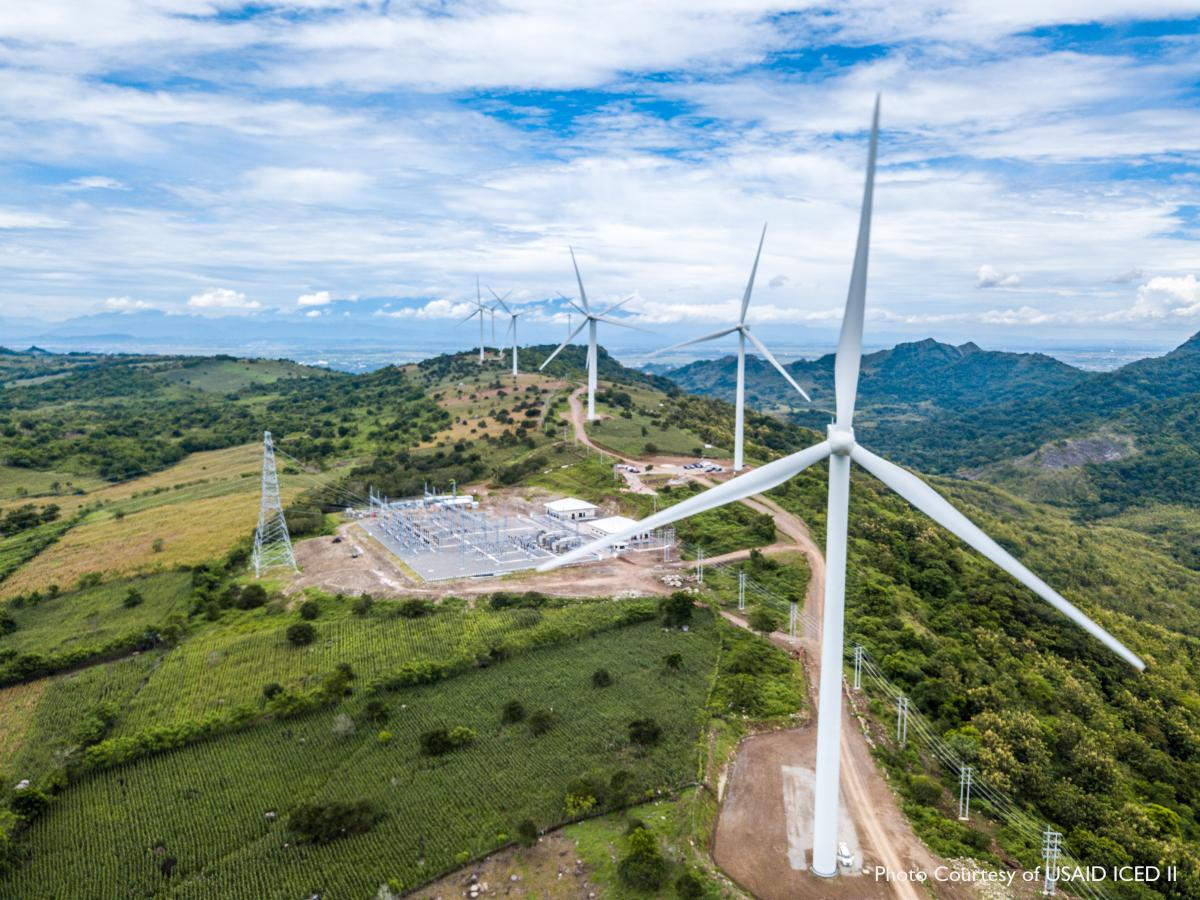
{"x": 512, "y": 324}
{"x": 589, "y": 319}
{"x": 479, "y": 310}
{"x": 840, "y": 448}
{"x": 743, "y": 332}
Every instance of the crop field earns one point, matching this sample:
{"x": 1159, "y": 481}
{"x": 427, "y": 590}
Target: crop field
{"x": 53, "y": 709}
{"x": 626, "y": 435}
{"x": 95, "y": 615}
{"x": 21, "y": 484}
{"x": 230, "y": 666}
{"x": 207, "y": 806}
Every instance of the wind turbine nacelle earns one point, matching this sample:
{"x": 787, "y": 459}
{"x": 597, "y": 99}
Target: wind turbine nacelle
{"x": 841, "y": 440}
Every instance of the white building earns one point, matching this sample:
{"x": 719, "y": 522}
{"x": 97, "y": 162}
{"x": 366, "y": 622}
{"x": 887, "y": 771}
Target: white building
{"x": 611, "y": 525}
{"x": 571, "y": 509}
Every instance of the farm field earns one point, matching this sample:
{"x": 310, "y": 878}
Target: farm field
{"x": 207, "y": 807}
{"x": 26, "y": 484}
{"x": 626, "y": 436}
{"x": 229, "y": 665}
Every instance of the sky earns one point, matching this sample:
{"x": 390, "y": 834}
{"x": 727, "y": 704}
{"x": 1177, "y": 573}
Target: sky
{"x": 1039, "y": 169}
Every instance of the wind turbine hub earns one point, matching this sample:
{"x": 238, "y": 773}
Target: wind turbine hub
{"x": 841, "y": 440}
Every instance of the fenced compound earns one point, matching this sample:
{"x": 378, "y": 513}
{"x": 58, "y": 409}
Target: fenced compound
{"x": 443, "y": 536}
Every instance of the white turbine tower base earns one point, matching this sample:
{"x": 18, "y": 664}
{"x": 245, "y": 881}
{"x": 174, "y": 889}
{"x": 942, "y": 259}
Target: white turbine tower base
{"x": 742, "y": 330}
{"x": 589, "y": 319}
{"x": 840, "y": 449}
{"x": 512, "y": 326}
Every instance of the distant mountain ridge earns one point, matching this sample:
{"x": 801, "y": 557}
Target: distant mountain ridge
{"x": 926, "y": 371}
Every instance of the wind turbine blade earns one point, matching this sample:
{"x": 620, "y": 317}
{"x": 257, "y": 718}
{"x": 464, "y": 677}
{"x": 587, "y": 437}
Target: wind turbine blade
{"x": 699, "y": 340}
{"x": 579, "y": 309}
{"x": 930, "y": 502}
{"x": 616, "y": 305}
{"x": 750, "y": 283}
{"x": 570, "y": 338}
{"x": 849, "y": 349}
{"x": 622, "y": 323}
{"x": 754, "y": 482}
{"x": 773, "y": 361}
{"x": 474, "y": 313}
{"x": 579, "y": 278}
{"x": 500, "y": 300}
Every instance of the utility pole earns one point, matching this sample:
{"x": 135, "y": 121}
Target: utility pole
{"x": 741, "y": 591}
{"x": 902, "y": 720}
{"x": 1050, "y": 852}
{"x": 272, "y": 546}
{"x": 858, "y": 661}
{"x": 964, "y": 793}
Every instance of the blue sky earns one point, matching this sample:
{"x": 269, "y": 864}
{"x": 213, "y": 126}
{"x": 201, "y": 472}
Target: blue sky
{"x": 1039, "y": 163}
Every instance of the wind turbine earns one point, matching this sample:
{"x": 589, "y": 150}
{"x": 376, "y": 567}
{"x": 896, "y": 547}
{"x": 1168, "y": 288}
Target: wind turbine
{"x": 840, "y": 448}
{"x": 743, "y": 332}
{"x": 479, "y": 310}
{"x": 512, "y": 325}
{"x": 589, "y": 319}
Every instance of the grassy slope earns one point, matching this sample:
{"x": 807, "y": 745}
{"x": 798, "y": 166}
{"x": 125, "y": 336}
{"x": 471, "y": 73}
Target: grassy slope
{"x": 207, "y": 806}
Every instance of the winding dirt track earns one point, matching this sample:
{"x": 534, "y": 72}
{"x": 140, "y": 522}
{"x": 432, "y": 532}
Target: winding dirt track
{"x": 884, "y": 832}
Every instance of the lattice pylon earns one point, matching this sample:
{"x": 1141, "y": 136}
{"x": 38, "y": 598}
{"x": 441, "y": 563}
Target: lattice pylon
{"x": 272, "y": 545}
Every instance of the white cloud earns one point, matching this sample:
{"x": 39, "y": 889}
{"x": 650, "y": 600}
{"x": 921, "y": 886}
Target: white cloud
{"x": 312, "y": 313}
{"x": 990, "y": 277}
{"x": 778, "y": 281}
{"x": 102, "y": 182}
{"x": 1161, "y": 298}
{"x": 16, "y": 219}
{"x": 434, "y": 309}
{"x": 222, "y": 298}
{"x": 305, "y": 185}
{"x": 127, "y": 304}
{"x": 1126, "y": 277}
{"x": 319, "y": 298}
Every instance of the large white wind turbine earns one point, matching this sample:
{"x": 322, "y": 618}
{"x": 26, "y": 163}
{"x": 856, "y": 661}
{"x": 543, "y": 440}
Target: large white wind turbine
{"x": 742, "y": 330}
{"x": 479, "y": 310}
{"x": 589, "y": 319}
{"x": 512, "y": 325}
{"x": 840, "y": 448}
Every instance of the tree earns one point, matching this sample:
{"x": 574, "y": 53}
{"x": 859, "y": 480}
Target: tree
{"x": 514, "y": 711}
{"x": 527, "y": 833}
{"x": 362, "y": 605}
{"x": 645, "y": 732}
{"x": 673, "y": 661}
{"x": 252, "y": 597}
{"x": 319, "y": 823}
{"x": 7, "y": 623}
{"x": 601, "y": 678}
{"x": 676, "y": 609}
{"x": 133, "y": 598}
{"x": 309, "y": 610}
{"x": 689, "y": 887}
{"x": 376, "y": 711}
{"x": 300, "y": 634}
{"x": 541, "y": 721}
{"x": 643, "y": 867}
{"x": 763, "y": 620}
{"x": 272, "y": 690}
{"x": 29, "y": 803}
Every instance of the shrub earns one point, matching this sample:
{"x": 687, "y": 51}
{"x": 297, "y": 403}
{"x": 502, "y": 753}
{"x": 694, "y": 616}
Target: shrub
{"x": 620, "y": 786}
{"x": 527, "y": 833}
{"x": 441, "y": 741}
{"x": 384, "y": 737}
{"x": 514, "y": 711}
{"x": 272, "y": 690}
{"x": 301, "y": 633}
{"x": 541, "y": 721}
{"x": 133, "y": 598}
{"x": 924, "y": 790}
{"x": 252, "y": 597}
{"x": 7, "y": 623}
{"x": 362, "y": 605}
{"x": 676, "y": 609}
{"x": 29, "y": 803}
{"x": 645, "y": 732}
{"x": 343, "y": 725}
{"x": 673, "y": 661}
{"x": 376, "y": 711}
{"x": 763, "y": 620}
{"x": 319, "y": 823}
{"x": 414, "y": 609}
{"x": 309, "y": 610}
{"x": 601, "y": 678}
{"x": 643, "y": 867}
{"x": 689, "y": 887}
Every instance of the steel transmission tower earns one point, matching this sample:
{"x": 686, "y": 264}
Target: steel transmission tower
{"x": 272, "y": 546}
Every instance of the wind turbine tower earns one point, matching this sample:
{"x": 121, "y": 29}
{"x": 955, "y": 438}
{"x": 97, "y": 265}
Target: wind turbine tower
{"x": 840, "y": 448}
{"x": 479, "y": 310}
{"x": 742, "y": 330}
{"x": 590, "y": 319}
{"x": 512, "y": 325}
